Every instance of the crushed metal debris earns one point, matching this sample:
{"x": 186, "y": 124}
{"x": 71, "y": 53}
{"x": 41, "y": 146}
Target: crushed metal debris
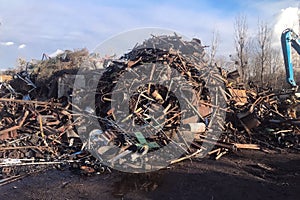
{"x": 39, "y": 124}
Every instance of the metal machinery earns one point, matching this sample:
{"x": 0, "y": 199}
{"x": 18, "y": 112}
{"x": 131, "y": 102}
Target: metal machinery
{"x": 289, "y": 39}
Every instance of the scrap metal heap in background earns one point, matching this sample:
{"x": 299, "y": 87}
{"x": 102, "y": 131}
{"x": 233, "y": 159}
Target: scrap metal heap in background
{"x": 42, "y": 131}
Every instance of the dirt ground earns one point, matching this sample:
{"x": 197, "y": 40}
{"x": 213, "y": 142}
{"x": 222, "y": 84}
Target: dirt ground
{"x": 240, "y": 175}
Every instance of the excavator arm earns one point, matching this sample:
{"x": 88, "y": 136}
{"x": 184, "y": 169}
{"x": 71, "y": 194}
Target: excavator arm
{"x": 289, "y": 39}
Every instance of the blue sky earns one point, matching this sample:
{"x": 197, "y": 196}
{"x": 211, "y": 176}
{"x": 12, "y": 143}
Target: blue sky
{"x": 33, "y": 27}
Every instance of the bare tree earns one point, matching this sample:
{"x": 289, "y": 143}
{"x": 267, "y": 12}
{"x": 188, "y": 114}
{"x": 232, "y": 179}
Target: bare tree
{"x": 241, "y": 43}
{"x": 214, "y": 46}
{"x": 276, "y": 65}
{"x": 264, "y": 35}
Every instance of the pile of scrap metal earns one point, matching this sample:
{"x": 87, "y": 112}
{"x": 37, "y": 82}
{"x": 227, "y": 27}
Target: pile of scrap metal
{"x": 173, "y": 98}
{"x": 36, "y": 135}
{"x": 36, "y": 127}
{"x": 254, "y": 119}
{"x": 168, "y": 88}
{"x": 261, "y": 116}
{"x": 40, "y": 133}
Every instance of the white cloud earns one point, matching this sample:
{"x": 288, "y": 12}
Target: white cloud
{"x": 7, "y": 43}
{"x": 286, "y": 18}
{"x": 21, "y": 46}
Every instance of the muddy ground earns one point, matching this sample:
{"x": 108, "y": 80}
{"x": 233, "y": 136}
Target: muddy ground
{"x": 240, "y": 175}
